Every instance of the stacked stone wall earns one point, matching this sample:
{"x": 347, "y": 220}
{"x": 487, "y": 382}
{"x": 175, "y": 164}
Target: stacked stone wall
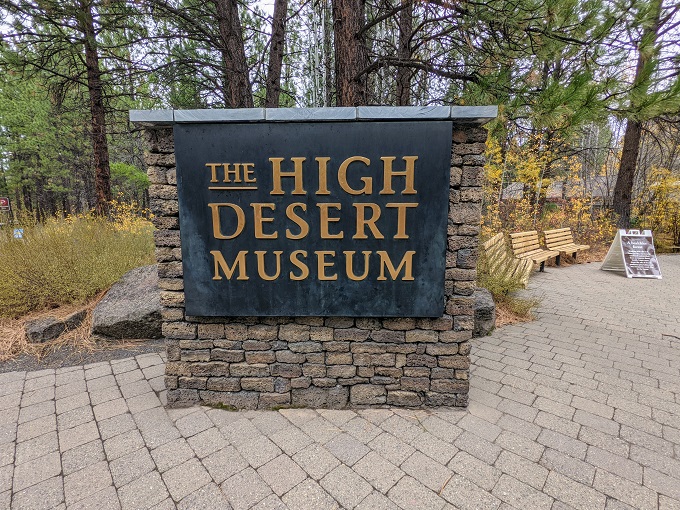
{"x": 333, "y": 362}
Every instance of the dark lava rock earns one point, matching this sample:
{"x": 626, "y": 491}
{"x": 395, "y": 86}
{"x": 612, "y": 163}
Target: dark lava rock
{"x": 131, "y": 308}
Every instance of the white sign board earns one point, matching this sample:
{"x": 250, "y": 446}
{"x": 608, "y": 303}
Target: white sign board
{"x": 633, "y": 252}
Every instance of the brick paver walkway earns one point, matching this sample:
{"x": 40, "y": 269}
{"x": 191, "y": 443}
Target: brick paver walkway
{"x": 579, "y": 409}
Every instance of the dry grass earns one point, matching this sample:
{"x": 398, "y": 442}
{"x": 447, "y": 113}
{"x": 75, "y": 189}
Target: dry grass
{"x": 506, "y": 315}
{"x": 13, "y": 341}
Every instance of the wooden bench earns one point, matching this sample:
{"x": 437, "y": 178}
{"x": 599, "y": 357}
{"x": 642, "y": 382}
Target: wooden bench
{"x": 525, "y": 246}
{"x": 500, "y": 263}
{"x": 562, "y": 240}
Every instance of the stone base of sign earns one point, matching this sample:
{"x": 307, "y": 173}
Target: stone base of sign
{"x": 322, "y": 362}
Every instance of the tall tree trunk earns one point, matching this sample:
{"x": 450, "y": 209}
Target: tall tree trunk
{"x": 236, "y": 87}
{"x": 98, "y": 117}
{"x": 276, "y": 46}
{"x": 623, "y": 190}
{"x": 647, "y": 53}
{"x": 404, "y": 53}
{"x": 351, "y": 53}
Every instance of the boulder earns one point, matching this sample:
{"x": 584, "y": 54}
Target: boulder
{"x": 48, "y": 328}
{"x": 131, "y": 308}
{"x": 485, "y": 312}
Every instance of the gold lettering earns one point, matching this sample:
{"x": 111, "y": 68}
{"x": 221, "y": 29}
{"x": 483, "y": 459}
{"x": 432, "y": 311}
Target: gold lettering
{"x": 260, "y": 265}
{"x": 322, "y": 265}
{"x": 362, "y": 222}
{"x": 349, "y": 256}
{"x": 304, "y": 270}
{"x": 292, "y": 215}
{"x": 213, "y": 171}
{"x": 325, "y": 220}
{"x": 258, "y": 220}
{"x": 248, "y": 172}
{"x": 406, "y": 263}
{"x": 220, "y": 263}
{"x": 240, "y": 218}
{"x": 342, "y": 177}
{"x": 408, "y": 173}
{"x": 236, "y": 172}
{"x": 401, "y": 217}
{"x": 323, "y": 176}
{"x": 278, "y": 174}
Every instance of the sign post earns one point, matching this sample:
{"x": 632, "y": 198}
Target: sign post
{"x": 633, "y": 252}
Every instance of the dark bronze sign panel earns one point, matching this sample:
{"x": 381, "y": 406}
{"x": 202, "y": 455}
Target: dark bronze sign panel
{"x": 314, "y": 219}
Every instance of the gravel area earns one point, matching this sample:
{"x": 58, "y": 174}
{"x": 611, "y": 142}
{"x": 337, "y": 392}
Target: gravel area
{"x": 69, "y": 356}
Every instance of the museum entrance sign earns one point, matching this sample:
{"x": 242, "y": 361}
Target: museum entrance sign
{"x": 314, "y": 219}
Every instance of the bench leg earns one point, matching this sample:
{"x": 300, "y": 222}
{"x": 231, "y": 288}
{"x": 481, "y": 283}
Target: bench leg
{"x": 558, "y": 260}
{"x": 574, "y": 255}
{"x": 541, "y": 269}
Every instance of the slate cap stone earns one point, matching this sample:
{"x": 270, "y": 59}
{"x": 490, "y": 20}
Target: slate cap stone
{"x": 474, "y": 115}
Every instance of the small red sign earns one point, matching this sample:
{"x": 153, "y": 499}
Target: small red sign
{"x": 4, "y": 203}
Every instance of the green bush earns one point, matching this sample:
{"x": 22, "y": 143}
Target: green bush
{"x": 69, "y": 260}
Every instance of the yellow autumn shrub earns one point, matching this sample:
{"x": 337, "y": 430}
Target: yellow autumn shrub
{"x": 69, "y": 260}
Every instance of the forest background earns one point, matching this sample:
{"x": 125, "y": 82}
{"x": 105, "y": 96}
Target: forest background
{"x": 588, "y": 133}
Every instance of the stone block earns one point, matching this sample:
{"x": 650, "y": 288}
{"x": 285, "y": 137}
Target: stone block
{"x": 338, "y": 358}
{"x": 246, "y": 370}
{"x": 305, "y": 347}
{"x": 459, "y": 362}
{"x": 163, "y": 191}
{"x": 351, "y": 334}
{"x": 339, "y": 322}
{"x": 262, "y": 332}
{"x": 230, "y": 356}
{"x": 171, "y": 284}
{"x": 404, "y": 398}
{"x": 294, "y": 332}
{"x": 314, "y": 370}
{"x": 214, "y": 331}
{"x": 324, "y": 382}
{"x": 213, "y": 368}
{"x": 194, "y": 383}
{"x": 289, "y": 357}
{"x": 172, "y": 299}
{"x": 399, "y": 323}
{"x": 195, "y": 344}
{"x": 332, "y": 398}
{"x": 262, "y": 384}
{"x": 195, "y": 355}
{"x": 344, "y": 371}
{"x": 320, "y": 334}
{"x": 415, "y": 383}
{"x": 455, "y": 337}
{"x": 224, "y": 384}
{"x": 238, "y": 400}
{"x": 421, "y": 335}
{"x": 287, "y": 370}
{"x": 164, "y": 207}
{"x": 383, "y": 360}
{"x": 253, "y": 357}
{"x": 167, "y": 238}
{"x": 449, "y": 386}
{"x": 274, "y": 400}
{"x": 473, "y": 176}
{"x": 300, "y": 382}
{"x": 417, "y": 371}
{"x": 237, "y": 332}
{"x": 388, "y": 336}
{"x": 337, "y": 346}
{"x": 179, "y": 330}
{"x": 421, "y": 360}
{"x": 256, "y": 345}
{"x": 442, "y": 349}
{"x": 367, "y": 394}
{"x": 465, "y": 212}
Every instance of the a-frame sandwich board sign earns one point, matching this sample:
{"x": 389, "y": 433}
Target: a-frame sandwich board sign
{"x": 633, "y": 252}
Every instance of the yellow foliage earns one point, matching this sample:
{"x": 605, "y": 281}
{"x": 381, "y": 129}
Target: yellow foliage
{"x": 70, "y": 260}
{"x": 532, "y": 164}
{"x": 657, "y": 207}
